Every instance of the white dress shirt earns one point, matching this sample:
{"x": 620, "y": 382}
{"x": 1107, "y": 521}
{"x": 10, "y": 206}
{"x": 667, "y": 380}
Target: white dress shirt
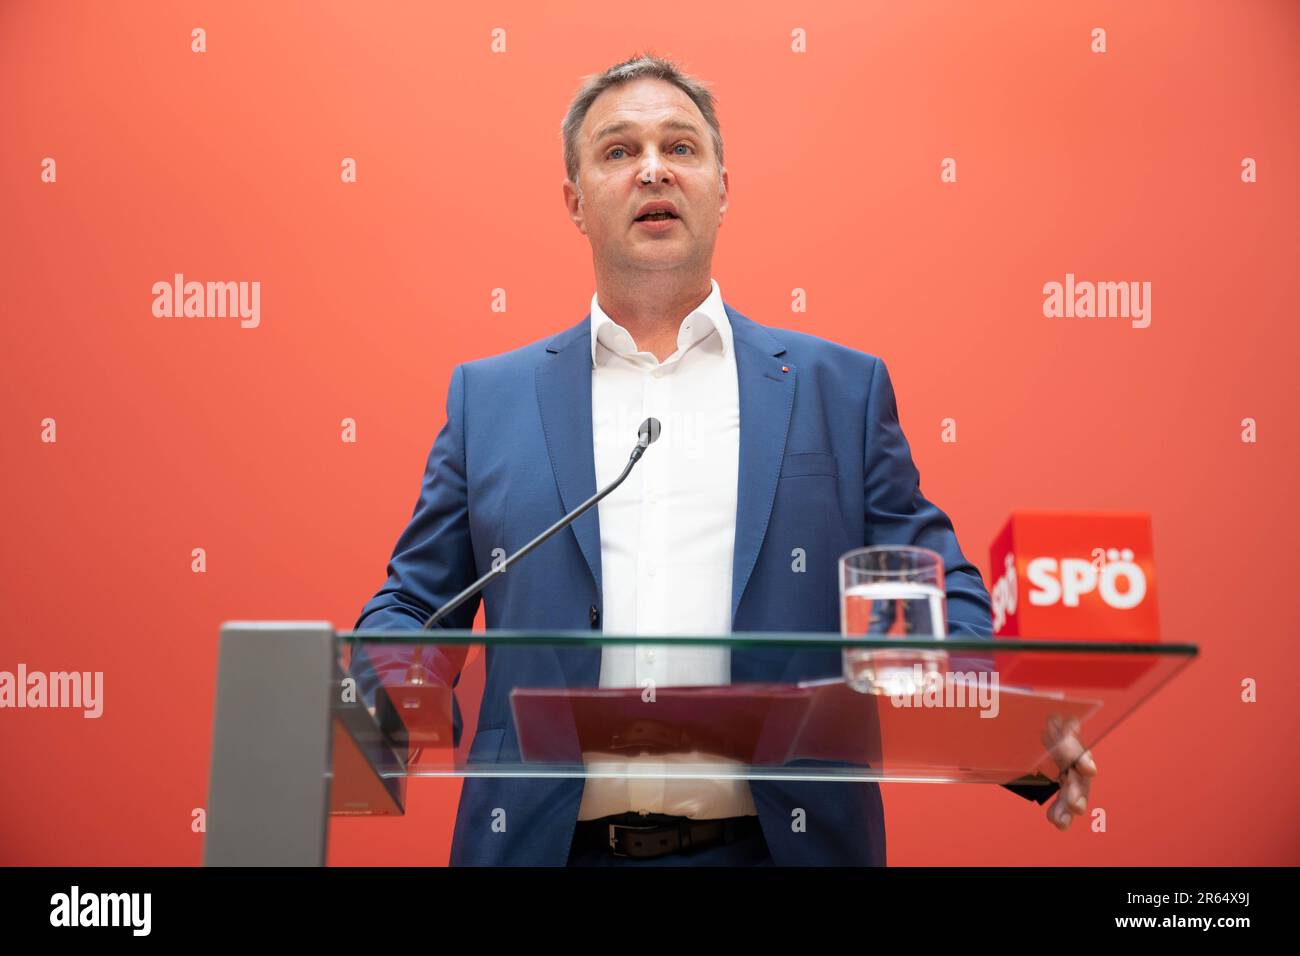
{"x": 666, "y": 539}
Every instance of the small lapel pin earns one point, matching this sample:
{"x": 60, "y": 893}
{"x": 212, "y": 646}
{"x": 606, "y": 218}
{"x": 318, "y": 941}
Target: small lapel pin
{"x": 785, "y": 368}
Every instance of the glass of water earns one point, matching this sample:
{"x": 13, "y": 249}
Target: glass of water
{"x": 893, "y": 592}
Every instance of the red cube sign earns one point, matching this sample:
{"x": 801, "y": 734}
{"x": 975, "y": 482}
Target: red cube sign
{"x": 1075, "y": 575}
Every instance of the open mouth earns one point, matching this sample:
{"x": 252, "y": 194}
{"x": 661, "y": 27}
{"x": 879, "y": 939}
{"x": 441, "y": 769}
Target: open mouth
{"x": 655, "y": 216}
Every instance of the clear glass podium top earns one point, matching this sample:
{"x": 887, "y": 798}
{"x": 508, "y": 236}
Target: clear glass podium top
{"x": 790, "y": 706}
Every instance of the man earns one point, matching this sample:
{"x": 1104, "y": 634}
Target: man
{"x": 774, "y": 441}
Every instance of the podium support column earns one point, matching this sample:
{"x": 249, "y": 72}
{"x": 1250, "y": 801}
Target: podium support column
{"x": 268, "y": 789}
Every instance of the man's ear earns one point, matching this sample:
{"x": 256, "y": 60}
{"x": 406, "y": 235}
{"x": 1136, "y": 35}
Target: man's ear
{"x": 726, "y": 193}
{"x": 574, "y": 205}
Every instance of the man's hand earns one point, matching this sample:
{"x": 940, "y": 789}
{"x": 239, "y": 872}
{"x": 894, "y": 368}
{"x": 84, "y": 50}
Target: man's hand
{"x": 1077, "y": 770}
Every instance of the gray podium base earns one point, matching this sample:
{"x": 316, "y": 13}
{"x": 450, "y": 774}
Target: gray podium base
{"x": 268, "y": 789}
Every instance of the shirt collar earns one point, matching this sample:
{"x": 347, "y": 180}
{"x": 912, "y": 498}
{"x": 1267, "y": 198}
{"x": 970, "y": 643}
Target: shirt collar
{"x": 707, "y": 316}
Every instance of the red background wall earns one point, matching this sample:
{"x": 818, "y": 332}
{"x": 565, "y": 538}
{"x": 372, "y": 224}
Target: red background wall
{"x": 183, "y": 433}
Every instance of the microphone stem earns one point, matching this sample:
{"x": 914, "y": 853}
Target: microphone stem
{"x": 482, "y": 582}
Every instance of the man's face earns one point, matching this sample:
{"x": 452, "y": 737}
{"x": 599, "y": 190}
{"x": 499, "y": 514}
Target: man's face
{"x": 641, "y": 142}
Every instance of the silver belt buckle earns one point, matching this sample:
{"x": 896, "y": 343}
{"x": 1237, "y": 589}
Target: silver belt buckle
{"x": 613, "y": 837}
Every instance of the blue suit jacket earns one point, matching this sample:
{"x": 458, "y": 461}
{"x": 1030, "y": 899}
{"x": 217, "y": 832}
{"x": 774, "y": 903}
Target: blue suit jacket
{"x": 824, "y": 466}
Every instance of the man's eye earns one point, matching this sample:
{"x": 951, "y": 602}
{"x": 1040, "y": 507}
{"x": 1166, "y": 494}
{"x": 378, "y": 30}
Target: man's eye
{"x": 687, "y": 145}
{"x": 616, "y": 149}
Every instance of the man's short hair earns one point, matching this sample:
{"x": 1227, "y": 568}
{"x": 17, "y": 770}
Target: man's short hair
{"x": 639, "y": 67}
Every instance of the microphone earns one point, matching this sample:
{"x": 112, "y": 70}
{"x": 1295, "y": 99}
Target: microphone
{"x": 423, "y": 699}
{"x": 647, "y": 435}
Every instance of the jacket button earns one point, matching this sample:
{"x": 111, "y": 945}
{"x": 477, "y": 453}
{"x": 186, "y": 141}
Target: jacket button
{"x": 593, "y": 615}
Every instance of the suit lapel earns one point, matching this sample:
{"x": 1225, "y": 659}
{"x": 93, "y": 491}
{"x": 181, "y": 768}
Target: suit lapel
{"x": 564, "y": 401}
{"x": 766, "y": 399}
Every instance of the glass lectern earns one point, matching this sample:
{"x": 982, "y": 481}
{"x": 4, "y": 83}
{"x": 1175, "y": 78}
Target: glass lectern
{"x": 311, "y": 722}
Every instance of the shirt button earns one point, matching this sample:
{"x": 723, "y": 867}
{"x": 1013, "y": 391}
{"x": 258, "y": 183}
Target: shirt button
{"x": 650, "y": 655}
{"x": 651, "y": 571}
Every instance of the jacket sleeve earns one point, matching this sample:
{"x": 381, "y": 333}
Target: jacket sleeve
{"x": 431, "y": 563}
{"x": 897, "y": 513}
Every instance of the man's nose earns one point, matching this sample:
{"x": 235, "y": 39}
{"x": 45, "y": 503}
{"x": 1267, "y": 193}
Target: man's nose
{"x": 653, "y": 168}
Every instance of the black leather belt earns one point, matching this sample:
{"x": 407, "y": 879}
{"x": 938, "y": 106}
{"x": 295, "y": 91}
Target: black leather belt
{"x": 655, "y": 834}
